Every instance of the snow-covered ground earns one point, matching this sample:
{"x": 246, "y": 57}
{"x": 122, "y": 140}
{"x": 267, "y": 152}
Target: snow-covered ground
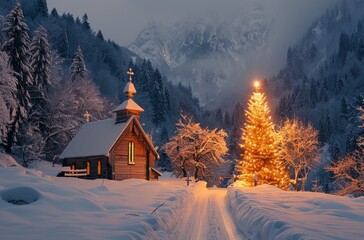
{"x": 265, "y": 212}
{"x": 35, "y": 205}
{"x": 69, "y": 208}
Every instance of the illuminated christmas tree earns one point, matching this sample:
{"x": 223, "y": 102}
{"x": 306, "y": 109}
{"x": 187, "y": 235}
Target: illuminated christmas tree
{"x": 261, "y": 163}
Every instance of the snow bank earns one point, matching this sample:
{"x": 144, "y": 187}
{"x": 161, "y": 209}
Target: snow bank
{"x": 35, "y": 206}
{"x": 266, "y": 212}
{"x": 46, "y": 167}
{"x": 8, "y": 161}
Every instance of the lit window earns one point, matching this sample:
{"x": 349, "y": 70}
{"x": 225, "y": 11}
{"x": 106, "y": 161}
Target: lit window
{"x": 88, "y": 168}
{"x": 99, "y": 167}
{"x": 131, "y": 152}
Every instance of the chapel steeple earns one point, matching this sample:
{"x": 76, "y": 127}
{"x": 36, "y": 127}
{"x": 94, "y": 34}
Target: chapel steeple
{"x": 128, "y": 107}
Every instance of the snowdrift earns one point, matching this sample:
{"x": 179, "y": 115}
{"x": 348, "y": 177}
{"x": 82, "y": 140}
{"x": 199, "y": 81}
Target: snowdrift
{"x": 37, "y": 206}
{"x": 8, "y": 161}
{"x": 266, "y": 212}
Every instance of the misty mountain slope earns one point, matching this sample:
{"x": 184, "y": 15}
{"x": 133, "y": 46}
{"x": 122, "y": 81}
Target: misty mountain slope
{"x": 204, "y": 53}
{"x": 219, "y": 54}
{"x": 323, "y": 81}
{"x": 107, "y": 64}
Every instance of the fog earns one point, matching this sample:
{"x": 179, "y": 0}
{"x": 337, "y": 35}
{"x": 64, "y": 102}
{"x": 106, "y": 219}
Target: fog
{"x": 122, "y": 20}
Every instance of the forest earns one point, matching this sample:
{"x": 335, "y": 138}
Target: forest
{"x": 55, "y": 69}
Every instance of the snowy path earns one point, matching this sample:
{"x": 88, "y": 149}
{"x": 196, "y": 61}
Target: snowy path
{"x": 208, "y": 218}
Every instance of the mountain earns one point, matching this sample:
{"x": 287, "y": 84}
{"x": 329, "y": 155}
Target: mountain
{"x": 323, "y": 81}
{"x": 205, "y": 53}
{"x": 107, "y": 64}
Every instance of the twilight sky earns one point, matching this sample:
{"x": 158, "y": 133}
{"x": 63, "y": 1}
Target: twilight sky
{"x": 122, "y": 20}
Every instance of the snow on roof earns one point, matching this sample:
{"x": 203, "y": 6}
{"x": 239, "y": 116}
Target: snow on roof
{"x": 129, "y": 104}
{"x": 129, "y": 88}
{"x": 95, "y": 139}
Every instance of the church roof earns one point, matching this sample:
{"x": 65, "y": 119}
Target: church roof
{"x": 97, "y": 139}
{"x": 129, "y": 88}
{"x": 129, "y": 104}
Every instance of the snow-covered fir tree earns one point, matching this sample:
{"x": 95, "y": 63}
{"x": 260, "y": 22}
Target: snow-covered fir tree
{"x": 35, "y": 130}
{"x": 41, "y": 59}
{"x": 78, "y": 66}
{"x": 8, "y": 91}
{"x": 85, "y": 23}
{"x": 67, "y": 103}
{"x": 17, "y": 46}
{"x": 158, "y": 99}
{"x": 235, "y": 135}
{"x": 42, "y": 8}
{"x": 1, "y": 32}
{"x": 261, "y": 163}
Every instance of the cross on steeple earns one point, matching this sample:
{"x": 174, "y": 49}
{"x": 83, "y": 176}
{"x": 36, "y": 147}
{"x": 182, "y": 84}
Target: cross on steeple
{"x": 87, "y": 116}
{"x": 130, "y": 73}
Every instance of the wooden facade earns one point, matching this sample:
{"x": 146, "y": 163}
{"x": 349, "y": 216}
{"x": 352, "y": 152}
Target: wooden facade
{"x": 143, "y": 159}
{"x": 116, "y": 148}
{"x": 97, "y": 166}
{"x": 122, "y": 163}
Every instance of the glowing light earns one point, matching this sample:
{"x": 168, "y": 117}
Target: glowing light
{"x": 260, "y": 162}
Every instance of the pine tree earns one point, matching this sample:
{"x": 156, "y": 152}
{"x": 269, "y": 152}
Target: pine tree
{"x": 54, "y": 13}
{"x": 85, "y": 23}
{"x": 1, "y": 32}
{"x": 344, "y": 108}
{"x": 219, "y": 118}
{"x": 8, "y": 93}
{"x": 145, "y": 75}
{"x": 99, "y": 35}
{"x": 335, "y": 152}
{"x": 322, "y": 132}
{"x": 260, "y": 145}
{"x": 78, "y": 66}
{"x": 328, "y": 126}
{"x": 17, "y": 48}
{"x": 227, "y": 123}
{"x": 42, "y": 8}
{"x": 234, "y": 137}
{"x": 313, "y": 94}
{"x": 324, "y": 97}
{"x": 344, "y": 45}
{"x": 63, "y": 45}
{"x": 158, "y": 99}
{"x": 41, "y": 64}
{"x": 78, "y": 21}
{"x": 167, "y": 100}
{"x": 41, "y": 59}
{"x": 339, "y": 85}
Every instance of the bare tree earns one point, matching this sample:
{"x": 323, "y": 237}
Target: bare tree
{"x": 349, "y": 173}
{"x": 349, "y": 170}
{"x": 195, "y": 149}
{"x": 299, "y": 149}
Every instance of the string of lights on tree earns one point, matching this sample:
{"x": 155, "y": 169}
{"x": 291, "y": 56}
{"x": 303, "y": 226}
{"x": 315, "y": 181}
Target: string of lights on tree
{"x": 260, "y": 160}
